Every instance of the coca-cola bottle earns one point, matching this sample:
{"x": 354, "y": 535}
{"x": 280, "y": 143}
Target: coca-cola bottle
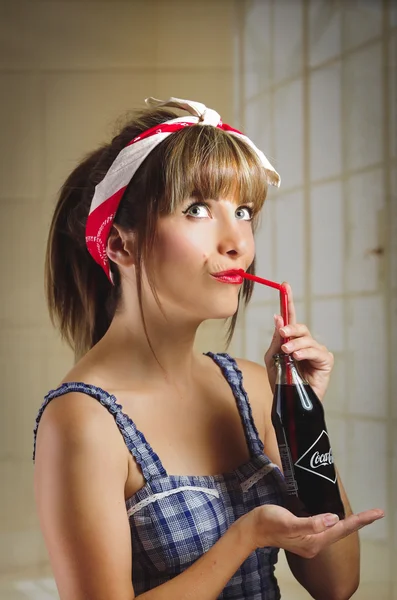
{"x": 305, "y": 450}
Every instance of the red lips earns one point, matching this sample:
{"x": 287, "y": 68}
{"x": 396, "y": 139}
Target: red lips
{"x": 231, "y": 273}
{"x": 231, "y": 276}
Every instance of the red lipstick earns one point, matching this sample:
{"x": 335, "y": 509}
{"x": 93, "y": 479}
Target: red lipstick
{"x": 231, "y": 276}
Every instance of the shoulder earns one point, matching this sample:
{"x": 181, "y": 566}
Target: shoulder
{"x": 76, "y": 424}
{"x": 255, "y": 378}
{"x": 73, "y": 410}
{"x": 77, "y": 405}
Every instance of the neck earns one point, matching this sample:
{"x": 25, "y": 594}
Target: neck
{"x": 129, "y": 354}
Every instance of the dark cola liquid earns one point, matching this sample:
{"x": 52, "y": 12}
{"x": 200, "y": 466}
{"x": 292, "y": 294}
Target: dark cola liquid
{"x": 305, "y": 450}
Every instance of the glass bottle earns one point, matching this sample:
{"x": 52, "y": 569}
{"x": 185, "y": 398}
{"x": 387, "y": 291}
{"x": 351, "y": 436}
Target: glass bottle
{"x": 303, "y": 441}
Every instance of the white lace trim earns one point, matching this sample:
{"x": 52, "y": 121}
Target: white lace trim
{"x": 154, "y": 497}
{"x": 245, "y": 486}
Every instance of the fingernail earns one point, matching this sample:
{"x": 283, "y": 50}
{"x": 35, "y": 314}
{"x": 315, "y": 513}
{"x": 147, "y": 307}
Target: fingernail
{"x": 330, "y": 520}
{"x": 286, "y": 347}
{"x": 283, "y": 331}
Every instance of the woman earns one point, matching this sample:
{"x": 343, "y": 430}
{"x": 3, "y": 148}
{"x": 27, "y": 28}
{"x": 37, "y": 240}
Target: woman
{"x": 188, "y": 501}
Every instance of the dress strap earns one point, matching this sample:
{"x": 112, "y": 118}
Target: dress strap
{"x": 139, "y": 447}
{"x": 234, "y": 377}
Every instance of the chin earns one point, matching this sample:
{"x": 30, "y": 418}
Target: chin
{"x": 223, "y": 310}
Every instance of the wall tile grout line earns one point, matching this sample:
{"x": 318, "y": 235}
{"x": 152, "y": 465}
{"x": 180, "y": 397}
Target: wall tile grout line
{"x": 386, "y": 42}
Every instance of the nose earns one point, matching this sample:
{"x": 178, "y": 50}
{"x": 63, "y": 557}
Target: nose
{"x": 233, "y": 238}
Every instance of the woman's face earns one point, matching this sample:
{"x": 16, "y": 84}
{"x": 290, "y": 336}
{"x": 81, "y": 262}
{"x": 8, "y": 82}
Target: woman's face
{"x": 202, "y": 238}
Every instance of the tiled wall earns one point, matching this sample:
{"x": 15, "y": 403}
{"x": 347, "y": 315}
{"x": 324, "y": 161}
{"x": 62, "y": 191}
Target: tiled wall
{"x": 317, "y": 90}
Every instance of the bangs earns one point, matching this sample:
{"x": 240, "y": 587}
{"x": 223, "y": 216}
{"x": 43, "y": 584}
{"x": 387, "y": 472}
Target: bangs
{"x": 206, "y": 162}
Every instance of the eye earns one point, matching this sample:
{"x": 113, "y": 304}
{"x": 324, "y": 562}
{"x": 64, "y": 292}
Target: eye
{"x": 198, "y": 209}
{"x": 246, "y": 213}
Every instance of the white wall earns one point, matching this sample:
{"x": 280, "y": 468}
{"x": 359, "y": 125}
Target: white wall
{"x": 317, "y": 91}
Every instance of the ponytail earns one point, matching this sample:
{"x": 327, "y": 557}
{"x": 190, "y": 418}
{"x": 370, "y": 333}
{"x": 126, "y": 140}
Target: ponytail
{"x": 80, "y": 298}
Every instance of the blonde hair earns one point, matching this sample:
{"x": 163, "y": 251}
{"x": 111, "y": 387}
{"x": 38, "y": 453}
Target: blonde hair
{"x": 200, "y": 161}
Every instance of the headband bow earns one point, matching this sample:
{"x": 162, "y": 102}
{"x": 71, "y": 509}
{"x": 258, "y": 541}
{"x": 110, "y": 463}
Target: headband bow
{"x": 109, "y": 192}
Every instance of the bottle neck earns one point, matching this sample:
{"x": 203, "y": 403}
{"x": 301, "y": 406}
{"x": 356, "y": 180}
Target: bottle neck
{"x": 287, "y": 370}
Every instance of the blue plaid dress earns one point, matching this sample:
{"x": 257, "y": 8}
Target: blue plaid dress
{"x": 174, "y": 519}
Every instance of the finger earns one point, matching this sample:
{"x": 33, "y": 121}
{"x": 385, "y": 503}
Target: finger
{"x": 279, "y": 322}
{"x": 305, "y": 341}
{"x": 373, "y": 513}
{"x": 351, "y": 524}
{"x": 303, "y": 526}
{"x": 297, "y": 330}
{"x": 291, "y": 306}
{"x": 315, "y": 356}
{"x": 369, "y": 516}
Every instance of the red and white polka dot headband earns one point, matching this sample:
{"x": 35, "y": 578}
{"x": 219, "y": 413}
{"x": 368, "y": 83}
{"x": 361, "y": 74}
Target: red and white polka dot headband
{"x": 109, "y": 192}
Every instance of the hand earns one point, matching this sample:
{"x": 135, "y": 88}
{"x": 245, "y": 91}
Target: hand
{"x": 315, "y": 360}
{"x": 273, "y": 525}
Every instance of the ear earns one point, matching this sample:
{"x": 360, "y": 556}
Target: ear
{"x": 120, "y": 246}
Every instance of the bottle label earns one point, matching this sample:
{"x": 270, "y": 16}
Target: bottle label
{"x": 318, "y": 459}
{"x": 286, "y": 461}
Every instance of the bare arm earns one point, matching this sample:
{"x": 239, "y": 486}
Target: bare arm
{"x": 79, "y": 478}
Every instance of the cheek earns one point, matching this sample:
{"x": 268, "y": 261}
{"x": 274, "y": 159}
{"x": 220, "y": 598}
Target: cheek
{"x": 251, "y": 250}
{"x": 179, "y": 248}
